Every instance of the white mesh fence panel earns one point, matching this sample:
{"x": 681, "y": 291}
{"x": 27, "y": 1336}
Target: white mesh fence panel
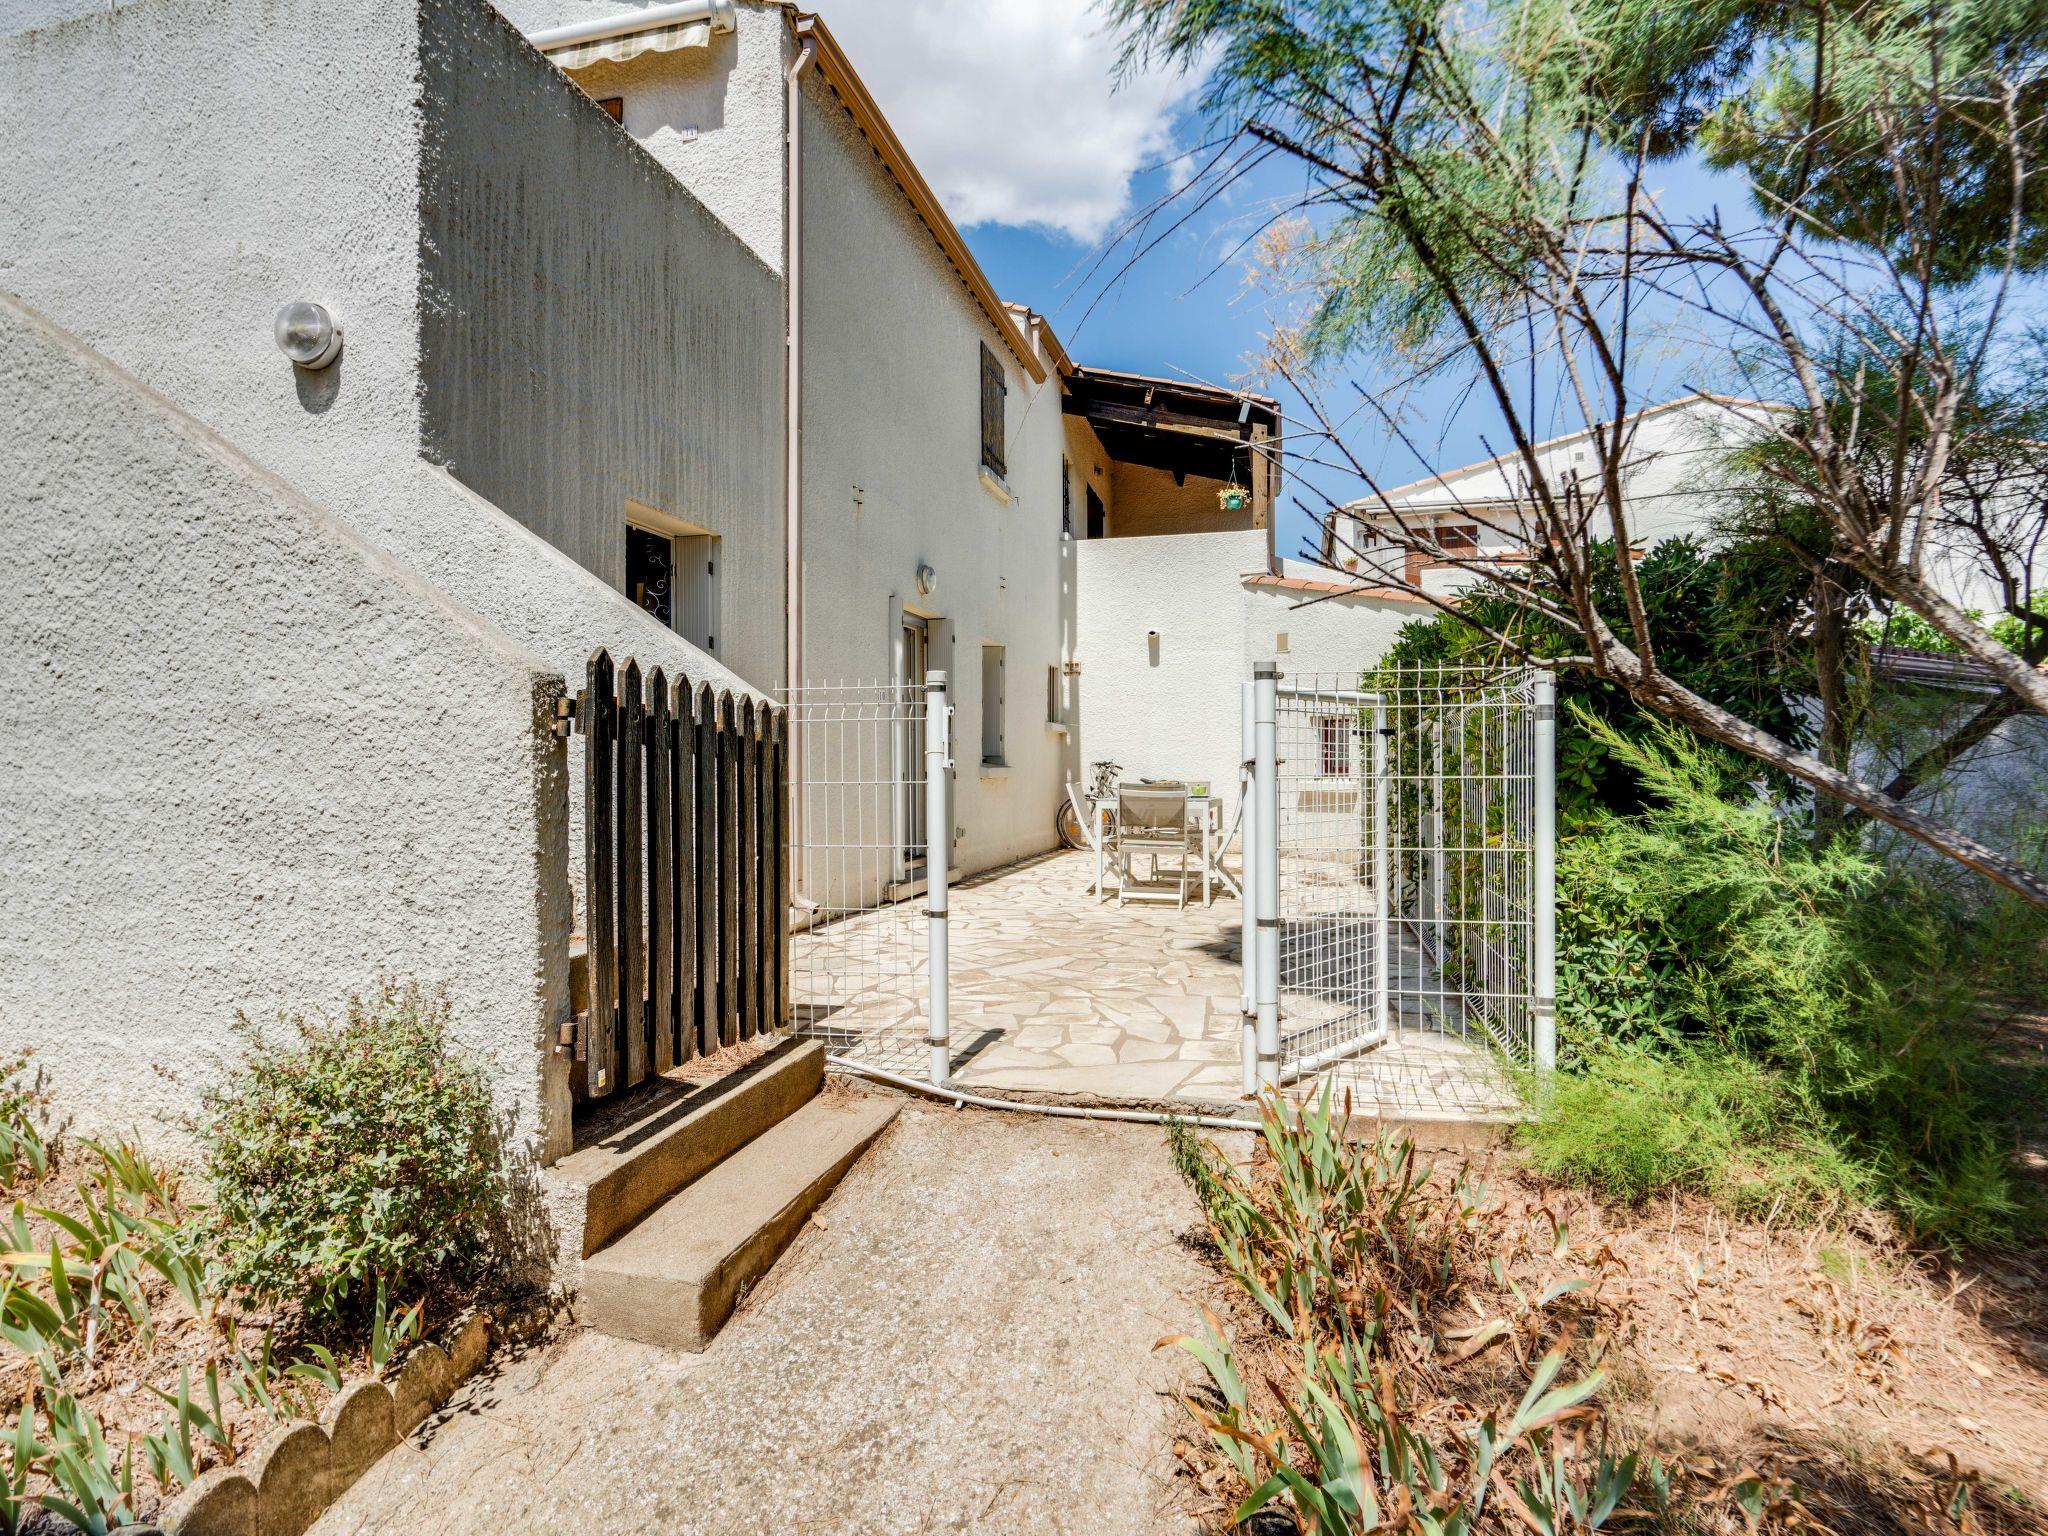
{"x": 1407, "y": 872}
{"x": 858, "y": 947}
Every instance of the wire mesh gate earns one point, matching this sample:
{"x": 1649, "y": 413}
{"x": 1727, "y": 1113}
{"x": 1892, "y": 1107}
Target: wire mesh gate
{"x": 1402, "y": 839}
{"x": 866, "y": 974}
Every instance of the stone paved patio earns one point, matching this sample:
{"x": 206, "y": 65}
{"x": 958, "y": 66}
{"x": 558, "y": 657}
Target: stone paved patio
{"x": 1055, "y": 992}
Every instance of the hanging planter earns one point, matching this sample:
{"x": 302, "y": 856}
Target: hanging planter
{"x": 1233, "y": 497}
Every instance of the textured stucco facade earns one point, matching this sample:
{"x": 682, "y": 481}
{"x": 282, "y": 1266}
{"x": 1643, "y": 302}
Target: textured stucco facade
{"x": 163, "y": 207}
{"x": 712, "y": 115}
{"x": 590, "y": 336}
{"x": 1171, "y": 626}
{"x": 892, "y": 478}
{"x": 264, "y": 763}
{"x": 890, "y": 426}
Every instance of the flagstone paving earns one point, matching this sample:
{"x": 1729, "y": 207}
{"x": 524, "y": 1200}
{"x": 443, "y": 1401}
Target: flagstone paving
{"x": 1056, "y": 992}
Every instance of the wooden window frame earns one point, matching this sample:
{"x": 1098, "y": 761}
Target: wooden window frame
{"x": 995, "y": 390}
{"x": 1334, "y": 742}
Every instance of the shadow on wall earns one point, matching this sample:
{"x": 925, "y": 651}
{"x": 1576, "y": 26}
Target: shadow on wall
{"x": 319, "y": 388}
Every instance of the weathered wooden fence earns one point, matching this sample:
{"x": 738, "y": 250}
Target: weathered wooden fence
{"x": 686, "y": 836}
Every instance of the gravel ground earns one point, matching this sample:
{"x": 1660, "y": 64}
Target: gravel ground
{"x": 960, "y": 1342}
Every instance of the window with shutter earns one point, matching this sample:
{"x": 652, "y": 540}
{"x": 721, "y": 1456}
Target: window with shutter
{"x": 993, "y": 391}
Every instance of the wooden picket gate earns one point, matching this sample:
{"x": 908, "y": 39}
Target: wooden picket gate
{"x": 686, "y": 836}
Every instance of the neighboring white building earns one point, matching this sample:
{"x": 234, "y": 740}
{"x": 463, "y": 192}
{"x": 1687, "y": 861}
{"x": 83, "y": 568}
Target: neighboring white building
{"x": 1673, "y": 485}
{"x": 1478, "y": 511}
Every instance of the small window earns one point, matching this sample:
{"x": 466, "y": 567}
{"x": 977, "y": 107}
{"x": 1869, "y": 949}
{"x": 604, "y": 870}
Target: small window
{"x": 614, "y": 108}
{"x": 992, "y": 704}
{"x": 1336, "y": 746}
{"x": 651, "y": 572}
{"x": 1458, "y": 538}
{"x": 994, "y": 392}
{"x": 1052, "y": 696}
{"x": 1066, "y": 498}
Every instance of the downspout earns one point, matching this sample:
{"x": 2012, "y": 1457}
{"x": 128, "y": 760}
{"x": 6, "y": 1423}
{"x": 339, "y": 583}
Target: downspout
{"x": 793, "y": 396}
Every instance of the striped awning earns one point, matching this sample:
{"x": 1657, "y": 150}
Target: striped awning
{"x": 616, "y": 50}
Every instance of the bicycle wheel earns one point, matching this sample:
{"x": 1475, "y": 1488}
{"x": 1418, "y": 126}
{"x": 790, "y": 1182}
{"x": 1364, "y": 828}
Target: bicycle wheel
{"x": 1068, "y": 826}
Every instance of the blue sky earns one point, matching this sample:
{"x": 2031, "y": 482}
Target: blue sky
{"x": 1016, "y": 114}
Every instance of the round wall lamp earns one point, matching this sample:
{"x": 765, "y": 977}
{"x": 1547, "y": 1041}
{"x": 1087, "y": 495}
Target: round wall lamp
{"x": 307, "y": 334}
{"x": 927, "y": 580}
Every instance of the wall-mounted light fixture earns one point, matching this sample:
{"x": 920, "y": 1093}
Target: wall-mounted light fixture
{"x": 307, "y": 334}
{"x": 927, "y": 580}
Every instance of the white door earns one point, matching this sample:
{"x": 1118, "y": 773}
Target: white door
{"x": 917, "y": 647}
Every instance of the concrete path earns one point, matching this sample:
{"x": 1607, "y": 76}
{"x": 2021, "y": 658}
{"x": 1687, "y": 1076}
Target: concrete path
{"x": 1055, "y": 991}
{"x": 962, "y": 1342}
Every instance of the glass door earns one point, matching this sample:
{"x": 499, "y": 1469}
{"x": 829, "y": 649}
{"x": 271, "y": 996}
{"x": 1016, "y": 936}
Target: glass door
{"x": 911, "y": 813}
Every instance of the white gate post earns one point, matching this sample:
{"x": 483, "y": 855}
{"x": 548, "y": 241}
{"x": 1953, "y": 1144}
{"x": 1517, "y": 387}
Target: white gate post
{"x": 1381, "y": 895}
{"x": 1543, "y": 873}
{"x": 1266, "y": 978}
{"x": 1248, "y": 928}
{"x": 938, "y": 853}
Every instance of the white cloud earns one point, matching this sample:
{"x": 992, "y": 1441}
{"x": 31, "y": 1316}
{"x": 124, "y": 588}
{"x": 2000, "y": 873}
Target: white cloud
{"x": 1012, "y": 108}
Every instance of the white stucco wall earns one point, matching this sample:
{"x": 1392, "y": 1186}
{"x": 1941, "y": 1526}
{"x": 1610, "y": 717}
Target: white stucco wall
{"x": 713, "y": 116}
{"x": 256, "y": 764}
{"x": 891, "y": 424}
{"x": 590, "y": 335}
{"x": 169, "y": 181}
{"x": 1166, "y": 708}
{"x": 1331, "y": 639}
{"x": 1170, "y": 708}
{"x": 163, "y": 207}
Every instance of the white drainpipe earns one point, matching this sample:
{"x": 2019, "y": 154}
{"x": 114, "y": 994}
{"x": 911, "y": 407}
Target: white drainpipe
{"x": 719, "y": 13}
{"x": 793, "y": 395}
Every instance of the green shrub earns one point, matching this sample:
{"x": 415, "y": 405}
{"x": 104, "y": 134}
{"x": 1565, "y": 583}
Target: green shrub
{"x": 1749, "y": 1015}
{"x": 344, "y": 1155}
{"x": 1634, "y": 1123}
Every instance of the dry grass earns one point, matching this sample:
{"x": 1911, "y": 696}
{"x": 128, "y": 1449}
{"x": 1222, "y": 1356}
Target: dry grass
{"x": 1866, "y": 1388}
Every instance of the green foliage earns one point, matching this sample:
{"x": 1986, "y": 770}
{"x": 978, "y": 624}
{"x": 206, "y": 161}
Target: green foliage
{"x": 24, "y": 1158}
{"x": 73, "y": 1281}
{"x": 93, "y": 1489}
{"x": 1757, "y": 1018}
{"x": 1722, "y": 618}
{"x": 1905, "y": 628}
{"x": 176, "y": 1449}
{"x": 21, "y": 1453}
{"x": 345, "y": 1154}
{"x": 1635, "y": 1124}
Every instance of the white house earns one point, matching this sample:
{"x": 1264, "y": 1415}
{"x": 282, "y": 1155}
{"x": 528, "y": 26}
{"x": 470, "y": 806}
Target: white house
{"x": 650, "y": 338}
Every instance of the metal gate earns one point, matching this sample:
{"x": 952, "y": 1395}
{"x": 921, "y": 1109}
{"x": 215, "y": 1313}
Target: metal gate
{"x": 1402, "y": 843}
{"x": 870, "y": 773}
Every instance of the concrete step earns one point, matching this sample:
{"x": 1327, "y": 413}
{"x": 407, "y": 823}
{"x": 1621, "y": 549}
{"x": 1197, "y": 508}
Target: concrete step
{"x": 675, "y": 1278}
{"x": 667, "y": 1134}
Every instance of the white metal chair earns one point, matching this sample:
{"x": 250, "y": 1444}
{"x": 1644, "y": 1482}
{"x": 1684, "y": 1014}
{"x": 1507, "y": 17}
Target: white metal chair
{"x": 1090, "y": 816}
{"x": 1153, "y": 820}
